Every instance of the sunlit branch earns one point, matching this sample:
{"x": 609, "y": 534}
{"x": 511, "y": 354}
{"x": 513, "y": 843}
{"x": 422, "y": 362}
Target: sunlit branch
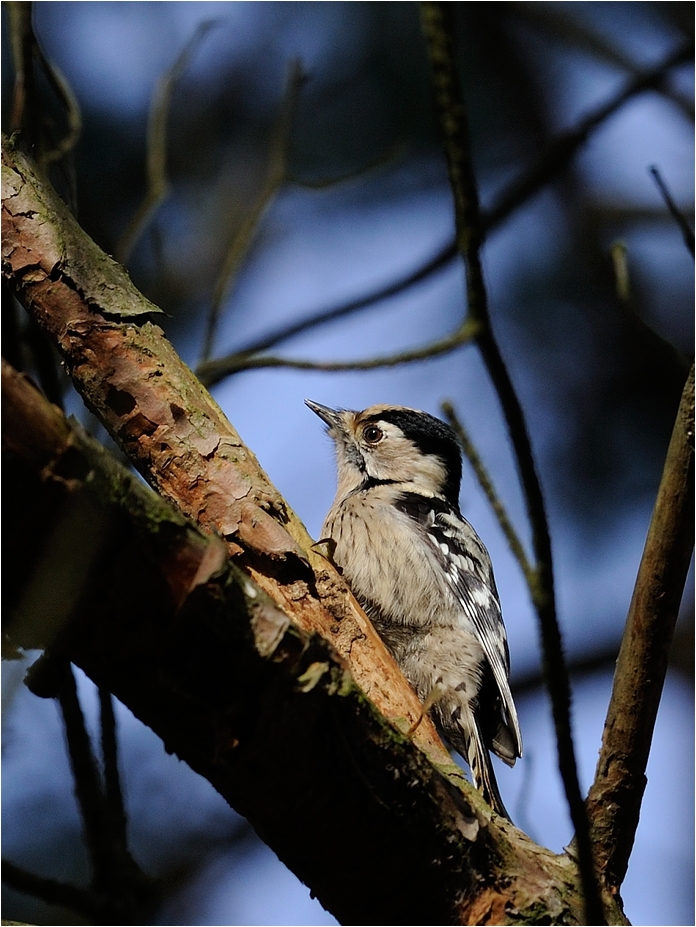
{"x": 156, "y": 160}
{"x": 619, "y": 255}
{"x": 616, "y": 794}
{"x": 684, "y": 227}
{"x": 451, "y": 112}
{"x": 550, "y": 164}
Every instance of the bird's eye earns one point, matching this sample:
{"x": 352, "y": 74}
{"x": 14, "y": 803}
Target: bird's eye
{"x": 372, "y": 434}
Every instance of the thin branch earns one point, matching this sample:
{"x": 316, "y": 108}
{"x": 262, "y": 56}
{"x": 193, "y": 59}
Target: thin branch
{"x": 71, "y": 108}
{"x": 551, "y": 163}
{"x": 27, "y": 111}
{"x": 329, "y": 182}
{"x": 616, "y": 794}
{"x": 684, "y": 227}
{"x": 276, "y": 176}
{"x": 113, "y": 796}
{"x": 241, "y": 359}
{"x": 156, "y": 162}
{"x": 85, "y": 774}
{"x": 213, "y": 371}
{"x": 453, "y": 123}
{"x": 50, "y": 891}
{"x": 563, "y": 147}
{"x": 22, "y": 44}
{"x": 486, "y": 484}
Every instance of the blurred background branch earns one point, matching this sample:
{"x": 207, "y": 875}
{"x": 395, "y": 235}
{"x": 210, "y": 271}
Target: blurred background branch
{"x": 599, "y": 373}
{"x": 550, "y": 164}
{"x": 157, "y": 140}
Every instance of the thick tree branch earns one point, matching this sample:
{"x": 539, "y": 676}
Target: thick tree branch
{"x": 172, "y": 429}
{"x": 264, "y": 710}
{"x": 616, "y": 795}
{"x": 255, "y": 672}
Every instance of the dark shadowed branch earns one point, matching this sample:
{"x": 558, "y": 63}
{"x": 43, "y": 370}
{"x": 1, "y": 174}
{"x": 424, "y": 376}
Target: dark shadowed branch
{"x": 276, "y": 175}
{"x": 156, "y": 159}
{"x": 551, "y": 163}
{"x": 451, "y": 111}
{"x": 675, "y": 212}
{"x": 28, "y": 107}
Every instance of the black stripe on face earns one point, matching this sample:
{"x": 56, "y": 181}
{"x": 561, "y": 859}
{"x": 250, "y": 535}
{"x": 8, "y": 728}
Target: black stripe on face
{"x": 431, "y": 436}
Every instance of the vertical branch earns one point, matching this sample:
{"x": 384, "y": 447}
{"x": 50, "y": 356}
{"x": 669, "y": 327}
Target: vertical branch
{"x": 617, "y": 792}
{"x": 86, "y": 775}
{"x": 156, "y": 163}
{"x": 29, "y": 113}
{"x": 276, "y": 176}
{"x": 113, "y": 795}
{"x": 469, "y": 234}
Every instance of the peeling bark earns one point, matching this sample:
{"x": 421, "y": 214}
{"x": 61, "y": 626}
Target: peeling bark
{"x": 260, "y": 671}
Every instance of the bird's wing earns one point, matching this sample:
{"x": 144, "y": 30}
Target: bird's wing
{"x": 467, "y": 566}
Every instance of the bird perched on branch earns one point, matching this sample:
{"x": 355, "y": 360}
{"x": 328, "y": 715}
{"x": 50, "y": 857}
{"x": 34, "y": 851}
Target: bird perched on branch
{"x": 423, "y": 576}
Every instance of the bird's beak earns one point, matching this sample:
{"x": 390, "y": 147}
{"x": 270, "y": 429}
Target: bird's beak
{"x": 331, "y": 416}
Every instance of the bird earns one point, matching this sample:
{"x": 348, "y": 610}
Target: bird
{"x": 423, "y": 576}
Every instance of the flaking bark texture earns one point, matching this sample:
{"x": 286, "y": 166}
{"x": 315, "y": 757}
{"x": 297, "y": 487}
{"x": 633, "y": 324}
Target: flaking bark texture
{"x": 261, "y": 672}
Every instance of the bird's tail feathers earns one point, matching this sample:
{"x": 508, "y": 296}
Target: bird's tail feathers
{"x": 482, "y": 772}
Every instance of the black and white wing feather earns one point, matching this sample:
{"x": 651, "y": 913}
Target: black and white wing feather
{"x": 471, "y": 575}
{"x": 466, "y": 564}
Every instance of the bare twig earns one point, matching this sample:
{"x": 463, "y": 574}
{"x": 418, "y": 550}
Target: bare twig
{"x": 85, "y": 774}
{"x": 276, "y": 176}
{"x": 22, "y": 43}
{"x": 616, "y": 794}
{"x": 213, "y": 371}
{"x": 71, "y": 108}
{"x": 551, "y": 163}
{"x": 27, "y": 111}
{"x": 684, "y": 227}
{"x": 453, "y": 123}
{"x": 113, "y": 796}
{"x": 325, "y": 183}
{"x": 494, "y": 499}
{"x": 156, "y": 163}
{"x": 563, "y": 147}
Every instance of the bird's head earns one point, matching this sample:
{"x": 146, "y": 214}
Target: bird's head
{"x": 393, "y": 444}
